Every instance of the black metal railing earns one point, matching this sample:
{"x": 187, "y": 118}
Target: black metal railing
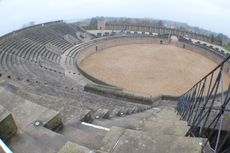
{"x": 206, "y": 108}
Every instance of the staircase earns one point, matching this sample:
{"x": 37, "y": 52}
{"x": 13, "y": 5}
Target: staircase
{"x": 205, "y": 107}
{"x": 150, "y": 130}
{"x": 154, "y": 130}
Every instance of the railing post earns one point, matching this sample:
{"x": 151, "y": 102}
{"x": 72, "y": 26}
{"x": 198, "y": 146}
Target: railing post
{"x": 187, "y": 101}
{"x": 193, "y": 114}
{"x": 192, "y": 102}
{"x": 204, "y": 95}
{"x": 222, "y": 115}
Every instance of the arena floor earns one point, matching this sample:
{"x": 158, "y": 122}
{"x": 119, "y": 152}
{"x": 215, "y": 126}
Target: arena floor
{"x": 148, "y": 69}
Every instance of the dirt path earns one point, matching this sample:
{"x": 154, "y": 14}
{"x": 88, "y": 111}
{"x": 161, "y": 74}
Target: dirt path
{"x": 148, "y": 69}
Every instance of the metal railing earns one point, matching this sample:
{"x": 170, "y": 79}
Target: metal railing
{"x": 4, "y": 148}
{"x": 206, "y": 109}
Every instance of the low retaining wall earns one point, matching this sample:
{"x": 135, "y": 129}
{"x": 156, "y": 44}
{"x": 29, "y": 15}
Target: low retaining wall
{"x": 119, "y": 94}
{"x": 208, "y": 52}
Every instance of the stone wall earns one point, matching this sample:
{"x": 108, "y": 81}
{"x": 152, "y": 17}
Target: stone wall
{"x": 205, "y": 51}
{"x": 161, "y": 30}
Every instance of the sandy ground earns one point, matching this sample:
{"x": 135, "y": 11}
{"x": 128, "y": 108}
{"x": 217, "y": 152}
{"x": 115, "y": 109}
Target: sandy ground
{"x": 148, "y": 69}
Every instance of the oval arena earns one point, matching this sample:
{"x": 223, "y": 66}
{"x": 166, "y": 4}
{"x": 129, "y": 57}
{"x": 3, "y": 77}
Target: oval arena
{"x": 65, "y": 89}
{"x": 148, "y": 69}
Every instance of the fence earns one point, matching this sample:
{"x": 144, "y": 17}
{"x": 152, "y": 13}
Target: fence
{"x": 206, "y": 109}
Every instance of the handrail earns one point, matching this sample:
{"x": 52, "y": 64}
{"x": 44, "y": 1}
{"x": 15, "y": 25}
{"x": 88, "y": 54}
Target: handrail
{"x": 198, "y": 107}
{"x": 209, "y": 73}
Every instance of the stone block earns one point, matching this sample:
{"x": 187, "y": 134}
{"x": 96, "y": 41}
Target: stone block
{"x": 7, "y": 124}
{"x": 71, "y": 147}
{"x": 51, "y": 119}
{"x": 111, "y": 138}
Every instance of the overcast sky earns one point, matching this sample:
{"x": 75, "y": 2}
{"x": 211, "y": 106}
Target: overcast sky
{"x": 209, "y": 14}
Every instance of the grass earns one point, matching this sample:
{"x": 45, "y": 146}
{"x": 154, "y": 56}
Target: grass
{"x": 227, "y": 48}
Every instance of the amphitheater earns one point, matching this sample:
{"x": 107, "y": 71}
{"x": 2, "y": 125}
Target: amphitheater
{"x": 66, "y": 90}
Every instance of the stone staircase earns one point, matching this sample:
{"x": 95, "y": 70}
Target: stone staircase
{"x": 41, "y": 130}
{"x": 84, "y": 135}
{"x": 155, "y": 130}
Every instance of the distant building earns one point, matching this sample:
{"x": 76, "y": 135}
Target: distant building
{"x": 101, "y": 23}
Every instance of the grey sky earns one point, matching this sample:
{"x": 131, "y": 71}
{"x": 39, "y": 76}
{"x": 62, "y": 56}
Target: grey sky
{"x": 209, "y": 14}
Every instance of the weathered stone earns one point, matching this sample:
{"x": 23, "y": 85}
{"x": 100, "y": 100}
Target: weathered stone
{"x": 137, "y": 141}
{"x": 70, "y": 147}
{"x": 111, "y": 138}
{"x": 51, "y": 119}
{"x": 7, "y": 125}
{"x": 24, "y": 143}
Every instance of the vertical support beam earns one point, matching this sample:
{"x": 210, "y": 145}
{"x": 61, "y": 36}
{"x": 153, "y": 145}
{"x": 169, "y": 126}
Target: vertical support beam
{"x": 204, "y": 101}
{"x": 222, "y": 115}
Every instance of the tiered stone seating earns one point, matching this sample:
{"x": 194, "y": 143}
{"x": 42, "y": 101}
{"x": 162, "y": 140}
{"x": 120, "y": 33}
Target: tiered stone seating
{"x": 78, "y": 28}
{"x": 71, "y": 39}
{"x": 64, "y": 29}
{"x": 143, "y": 132}
{"x": 45, "y": 35}
{"x": 29, "y": 43}
{"x": 72, "y": 53}
{"x": 152, "y": 131}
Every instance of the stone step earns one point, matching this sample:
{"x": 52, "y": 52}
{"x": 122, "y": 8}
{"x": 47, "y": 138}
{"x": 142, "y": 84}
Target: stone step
{"x": 111, "y": 138}
{"x": 169, "y": 103}
{"x": 84, "y": 135}
{"x": 100, "y": 113}
{"x": 132, "y": 110}
{"x": 108, "y": 114}
{"x": 166, "y": 128}
{"x": 77, "y": 114}
{"x": 119, "y": 140}
{"x": 50, "y": 138}
{"x": 35, "y": 121}
{"x": 50, "y": 119}
{"x": 114, "y": 113}
{"x": 23, "y": 143}
{"x": 168, "y": 114}
{"x": 8, "y": 99}
{"x": 26, "y": 112}
{"x": 173, "y": 121}
{"x": 123, "y": 111}
{"x": 8, "y": 127}
{"x": 123, "y": 122}
{"x": 146, "y": 114}
{"x": 71, "y": 147}
{"x": 136, "y": 121}
{"x": 155, "y": 115}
